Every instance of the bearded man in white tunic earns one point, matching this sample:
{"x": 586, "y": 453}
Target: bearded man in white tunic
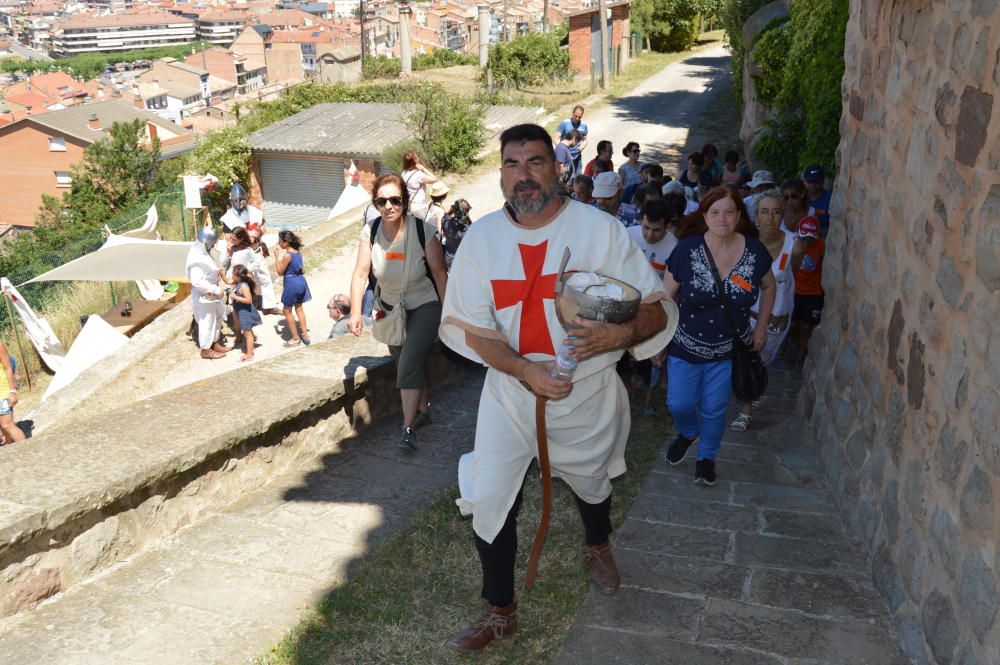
{"x": 500, "y": 311}
{"x": 206, "y": 294}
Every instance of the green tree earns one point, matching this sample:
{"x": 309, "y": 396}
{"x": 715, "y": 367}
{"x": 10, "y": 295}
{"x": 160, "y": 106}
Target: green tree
{"x": 448, "y": 127}
{"x": 225, "y": 153}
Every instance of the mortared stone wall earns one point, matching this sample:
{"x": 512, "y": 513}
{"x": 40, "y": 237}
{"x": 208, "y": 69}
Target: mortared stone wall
{"x": 903, "y": 374}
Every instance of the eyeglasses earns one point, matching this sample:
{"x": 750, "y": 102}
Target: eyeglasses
{"x": 634, "y": 150}
{"x": 381, "y": 201}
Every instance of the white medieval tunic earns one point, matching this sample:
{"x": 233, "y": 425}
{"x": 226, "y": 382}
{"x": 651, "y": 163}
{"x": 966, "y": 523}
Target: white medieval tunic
{"x": 257, "y": 265}
{"x": 206, "y": 294}
{"x": 251, "y": 215}
{"x": 502, "y": 286}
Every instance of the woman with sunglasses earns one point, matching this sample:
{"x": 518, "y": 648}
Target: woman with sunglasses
{"x": 403, "y": 269}
{"x": 793, "y": 192}
{"x": 630, "y": 172}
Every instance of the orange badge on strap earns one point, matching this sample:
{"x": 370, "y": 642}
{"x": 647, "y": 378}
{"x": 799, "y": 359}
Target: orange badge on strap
{"x": 395, "y": 256}
{"x": 740, "y": 282}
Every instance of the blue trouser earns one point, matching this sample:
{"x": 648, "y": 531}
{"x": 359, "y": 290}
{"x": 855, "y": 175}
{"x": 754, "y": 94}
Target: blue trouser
{"x": 697, "y": 396}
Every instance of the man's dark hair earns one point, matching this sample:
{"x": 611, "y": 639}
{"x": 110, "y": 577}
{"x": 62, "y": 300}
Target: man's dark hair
{"x": 655, "y": 171}
{"x": 601, "y": 166}
{"x": 645, "y": 193}
{"x": 732, "y": 157}
{"x": 525, "y": 133}
{"x": 573, "y": 135}
{"x": 344, "y": 307}
{"x": 697, "y": 158}
{"x": 655, "y": 211}
{"x": 584, "y": 180}
{"x": 603, "y": 145}
{"x": 676, "y": 204}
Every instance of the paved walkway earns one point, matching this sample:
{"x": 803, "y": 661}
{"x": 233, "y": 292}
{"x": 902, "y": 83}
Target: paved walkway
{"x": 228, "y": 588}
{"x": 753, "y": 571}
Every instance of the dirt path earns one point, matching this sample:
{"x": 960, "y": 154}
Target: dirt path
{"x": 657, "y": 114}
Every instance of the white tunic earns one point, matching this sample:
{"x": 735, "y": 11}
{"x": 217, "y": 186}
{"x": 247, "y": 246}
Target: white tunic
{"x": 233, "y": 219}
{"x": 257, "y": 265}
{"x": 784, "y": 299}
{"x": 206, "y": 294}
{"x": 501, "y": 286}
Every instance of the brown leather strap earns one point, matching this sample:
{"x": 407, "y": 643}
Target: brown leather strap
{"x": 543, "y": 463}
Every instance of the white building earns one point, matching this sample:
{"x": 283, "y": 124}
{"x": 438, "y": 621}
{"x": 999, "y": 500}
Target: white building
{"x": 346, "y": 8}
{"x": 121, "y": 32}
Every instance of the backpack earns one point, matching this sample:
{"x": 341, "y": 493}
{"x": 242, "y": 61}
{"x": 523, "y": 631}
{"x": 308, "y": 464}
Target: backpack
{"x": 454, "y": 224}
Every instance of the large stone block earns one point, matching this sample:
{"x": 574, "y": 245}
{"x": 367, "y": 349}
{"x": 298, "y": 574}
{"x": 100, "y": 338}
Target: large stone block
{"x": 977, "y": 594}
{"x": 983, "y": 8}
{"x": 980, "y": 55}
{"x": 941, "y": 628}
{"x": 949, "y": 456}
{"x": 988, "y": 241}
{"x": 885, "y": 574}
{"x": 985, "y": 419}
{"x": 977, "y": 505}
{"x": 975, "y": 111}
{"x": 945, "y": 539}
{"x": 912, "y": 561}
{"x": 950, "y": 281}
{"x": 961, "y": 47}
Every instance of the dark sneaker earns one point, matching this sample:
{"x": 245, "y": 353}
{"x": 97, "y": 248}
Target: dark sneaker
{"x": 408, "y": 443}
{"x": 421, "y": 419}
{"x": 704, "y": 472}
{"x": 678, "y": 449}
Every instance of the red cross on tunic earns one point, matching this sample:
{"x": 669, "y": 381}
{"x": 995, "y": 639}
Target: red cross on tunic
{"x": 531, "y": 292}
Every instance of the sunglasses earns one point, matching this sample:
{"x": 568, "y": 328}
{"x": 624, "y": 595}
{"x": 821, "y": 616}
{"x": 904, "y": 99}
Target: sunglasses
{"x": 634, "y": 150}
{"x": 381, "y": 201}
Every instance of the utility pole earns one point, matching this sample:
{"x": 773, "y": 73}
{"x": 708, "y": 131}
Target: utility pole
{"x": 605, "y": 45}
{"x": 545, "y": 16}
{"x": 506, "y": 34}
{"x": 361, "y": 15}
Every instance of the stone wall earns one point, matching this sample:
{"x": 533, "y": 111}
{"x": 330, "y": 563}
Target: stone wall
{"x": 903, "y": 375}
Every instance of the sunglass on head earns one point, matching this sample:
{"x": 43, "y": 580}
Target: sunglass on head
{"x": 394, "y": 200}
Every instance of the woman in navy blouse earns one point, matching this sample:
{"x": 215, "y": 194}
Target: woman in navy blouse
{"x": 700, "y": 355}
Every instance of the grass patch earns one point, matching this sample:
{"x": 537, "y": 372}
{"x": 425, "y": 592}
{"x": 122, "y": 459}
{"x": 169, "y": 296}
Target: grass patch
{"x": 422, "y": 585}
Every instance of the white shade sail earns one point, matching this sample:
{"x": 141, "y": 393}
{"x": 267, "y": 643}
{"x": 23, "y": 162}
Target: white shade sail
{"x": 124, "y": 259}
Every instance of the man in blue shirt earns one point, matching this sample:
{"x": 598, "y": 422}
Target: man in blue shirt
{"x": 564, "y": 157}
{"x": 575, "y": 121}
{"x": 819, "y": 197}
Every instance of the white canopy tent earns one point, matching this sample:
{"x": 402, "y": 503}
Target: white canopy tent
{"x": 123, "y": 259}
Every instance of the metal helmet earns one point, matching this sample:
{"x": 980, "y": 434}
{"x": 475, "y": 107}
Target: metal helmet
{"x": 238, "y": 197}
{"x": 208, "y": 237}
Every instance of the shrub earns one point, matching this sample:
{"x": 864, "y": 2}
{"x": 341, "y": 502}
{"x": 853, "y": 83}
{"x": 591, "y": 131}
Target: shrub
{"x": 385, "y": 67}
{"x": 807, "y": 128}
{"x": 225, "y": 153}
{"x": 675, "y": 25}
{"x": 734, "y": 14}
{"x": 448, "y": 127}
{"x": 381, "y": 67}
{"x": 532, "y": 59}
{"x": 770, "y": 53}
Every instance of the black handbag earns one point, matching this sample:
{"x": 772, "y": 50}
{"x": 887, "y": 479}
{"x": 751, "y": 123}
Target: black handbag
{"x": 749, "y": 371}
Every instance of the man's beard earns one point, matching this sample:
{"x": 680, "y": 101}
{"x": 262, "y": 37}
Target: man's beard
{"x": 525, "y": 205}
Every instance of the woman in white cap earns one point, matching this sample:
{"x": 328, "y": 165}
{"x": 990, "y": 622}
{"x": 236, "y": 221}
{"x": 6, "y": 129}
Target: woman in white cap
{"x": 761, "y": 182}
{"x": 435, "y": 211}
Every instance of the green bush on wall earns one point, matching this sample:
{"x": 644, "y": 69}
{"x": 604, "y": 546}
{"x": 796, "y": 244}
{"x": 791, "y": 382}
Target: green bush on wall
{"x": 532, "y": 59}
{"x": 808, "y": 88}
{"x": 734, "y": 14}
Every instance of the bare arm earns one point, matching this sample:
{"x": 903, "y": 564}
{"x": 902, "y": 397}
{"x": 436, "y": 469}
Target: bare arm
{"x": 242, "y": 294}
{"x": 498, "y": 355}
{"x": 5, "y": 359}
{"x": 429, "y": 178}
{"x": 768, "y": 292}
{"x": 435, "y": 261}
{"x": 359, "y": 280}
{"x": 283, "y": 262}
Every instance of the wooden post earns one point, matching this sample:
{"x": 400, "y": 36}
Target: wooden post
{"x": 605, "y": 45}
{"x": 17, "y": 337}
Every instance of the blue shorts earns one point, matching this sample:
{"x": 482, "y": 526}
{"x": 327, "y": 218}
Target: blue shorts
{"x": 5, "y": 408}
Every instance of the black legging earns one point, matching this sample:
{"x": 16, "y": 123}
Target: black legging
{"x": 497, "y": 558}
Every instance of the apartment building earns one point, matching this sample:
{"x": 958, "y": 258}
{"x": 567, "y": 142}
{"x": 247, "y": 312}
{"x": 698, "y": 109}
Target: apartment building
{"x": 246, "y": 74}
{"x": 121, "y": 32}
{"x": 107, "y": 6}
{"x": 220, "y": 28}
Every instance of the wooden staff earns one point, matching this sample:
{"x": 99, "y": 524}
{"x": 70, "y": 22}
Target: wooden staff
{"x": 543, "y": 464}
{"x": 17, "y": 336}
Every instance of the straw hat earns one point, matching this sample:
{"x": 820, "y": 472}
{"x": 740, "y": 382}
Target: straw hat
{"x": 438, "y": 189}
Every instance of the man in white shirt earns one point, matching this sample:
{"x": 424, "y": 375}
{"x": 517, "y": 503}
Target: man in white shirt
{"x": 652, "y": 236}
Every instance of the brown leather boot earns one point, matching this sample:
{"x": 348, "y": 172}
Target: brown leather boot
{"x": 601, "y": 565}
{"x": 495, "y": 623}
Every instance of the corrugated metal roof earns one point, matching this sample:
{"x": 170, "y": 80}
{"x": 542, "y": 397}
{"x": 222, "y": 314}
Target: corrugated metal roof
{"x": 335, "y": 128}
{"x": 357, "y": 129}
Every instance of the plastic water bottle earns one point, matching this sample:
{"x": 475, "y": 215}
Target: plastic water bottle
{"x": 565, "y": 362}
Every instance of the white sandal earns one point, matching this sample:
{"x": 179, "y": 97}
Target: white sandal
{"x": 741, "y": 424}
